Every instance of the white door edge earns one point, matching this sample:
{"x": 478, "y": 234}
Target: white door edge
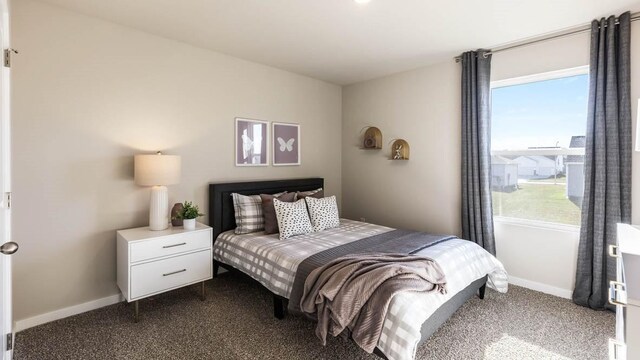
{"x": 6, "y": 324}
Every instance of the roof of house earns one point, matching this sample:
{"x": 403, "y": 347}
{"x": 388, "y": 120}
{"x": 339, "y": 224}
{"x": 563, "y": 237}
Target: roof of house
{"x": 538, "y": 159}
{"x": 499, "y": 160}
{"x": 550, "y": 157}
{"x": 577, "y": 142}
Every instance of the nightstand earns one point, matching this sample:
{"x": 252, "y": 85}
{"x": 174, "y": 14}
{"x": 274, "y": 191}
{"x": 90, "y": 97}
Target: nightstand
{"x": 153, "y": 262}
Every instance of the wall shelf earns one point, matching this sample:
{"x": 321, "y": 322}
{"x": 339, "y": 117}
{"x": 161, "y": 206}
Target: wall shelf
{"x": 400, "y": 150}
{"x": 372, "y": 139}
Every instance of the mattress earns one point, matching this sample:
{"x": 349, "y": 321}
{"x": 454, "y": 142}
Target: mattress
{"x": 273, "y": 263}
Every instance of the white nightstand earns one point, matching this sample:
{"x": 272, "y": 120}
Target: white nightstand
{"x": 153, "y": 262}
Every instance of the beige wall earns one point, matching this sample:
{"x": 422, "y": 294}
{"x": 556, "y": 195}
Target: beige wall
{"x": 87, "y": 96}
{"x": 424, "y": 193}
{"x": 422, "y": 107}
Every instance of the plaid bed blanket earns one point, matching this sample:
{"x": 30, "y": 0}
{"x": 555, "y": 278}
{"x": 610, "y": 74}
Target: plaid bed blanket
{"x": 273, "y": 263}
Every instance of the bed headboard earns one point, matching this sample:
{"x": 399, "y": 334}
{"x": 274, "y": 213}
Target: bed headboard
{"x": 221, "y": 212}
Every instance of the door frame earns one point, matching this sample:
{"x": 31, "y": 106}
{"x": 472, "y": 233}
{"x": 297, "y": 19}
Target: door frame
{"x": 6, "y": 325}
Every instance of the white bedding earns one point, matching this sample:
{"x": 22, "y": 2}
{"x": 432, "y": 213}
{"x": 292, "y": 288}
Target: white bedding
{"x": 274, "y": 263}
{"x": 462, "y": 262}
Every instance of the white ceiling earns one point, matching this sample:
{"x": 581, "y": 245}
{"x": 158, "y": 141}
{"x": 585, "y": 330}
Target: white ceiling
{"x": 341, "y": 41}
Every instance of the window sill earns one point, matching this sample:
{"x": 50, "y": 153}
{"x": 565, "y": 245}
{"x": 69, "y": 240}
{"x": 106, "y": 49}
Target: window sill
{"x": 536, "y": 224}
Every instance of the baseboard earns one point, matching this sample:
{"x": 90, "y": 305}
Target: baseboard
{"x": 547, "y": 289}
{"x": 114, "y": 299}
{"x": 66, "y": 312}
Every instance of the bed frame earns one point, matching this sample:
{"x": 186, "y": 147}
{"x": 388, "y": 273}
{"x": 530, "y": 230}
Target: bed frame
{"x": 222, "y": 214}
{"x": 222, "y": 218}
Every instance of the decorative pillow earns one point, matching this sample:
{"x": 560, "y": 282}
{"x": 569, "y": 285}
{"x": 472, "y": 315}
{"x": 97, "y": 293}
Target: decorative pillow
{"x": 248, "y": 212}
{"x": 318, "y": 194}
{"x": 270, "y": 220}
{"x": 323, "y": 212}
{"x": 293, "y": 218}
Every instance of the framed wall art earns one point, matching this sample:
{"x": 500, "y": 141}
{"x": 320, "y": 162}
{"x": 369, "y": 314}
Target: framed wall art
{"x": 252, "y": 148}
{"x": 286, "y": 144}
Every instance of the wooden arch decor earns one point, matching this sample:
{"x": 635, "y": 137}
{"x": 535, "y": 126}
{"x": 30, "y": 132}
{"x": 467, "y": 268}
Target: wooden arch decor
{"x": 372, "y": 139}
{"x": 400, "y": 150}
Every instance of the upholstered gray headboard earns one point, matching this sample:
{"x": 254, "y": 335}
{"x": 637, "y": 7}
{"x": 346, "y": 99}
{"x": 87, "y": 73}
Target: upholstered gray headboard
{"x": 221, "y": 213}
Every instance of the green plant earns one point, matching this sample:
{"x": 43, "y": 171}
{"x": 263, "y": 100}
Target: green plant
{"x": 189, "y": 211}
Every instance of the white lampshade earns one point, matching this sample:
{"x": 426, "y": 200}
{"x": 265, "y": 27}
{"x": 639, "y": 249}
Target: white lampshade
{"x": 638, "y": 127}
{"x": 157, "y": 169}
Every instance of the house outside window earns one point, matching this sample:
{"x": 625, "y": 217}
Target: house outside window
{"x": 538, "y": 137}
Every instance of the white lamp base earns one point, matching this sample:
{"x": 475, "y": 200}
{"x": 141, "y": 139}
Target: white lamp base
{"x": 159, "y": 208}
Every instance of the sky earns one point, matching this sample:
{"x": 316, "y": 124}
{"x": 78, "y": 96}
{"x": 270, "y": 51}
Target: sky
{"x": 540, "y": 113}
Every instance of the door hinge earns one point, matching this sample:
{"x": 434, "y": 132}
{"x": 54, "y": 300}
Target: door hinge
{"x": 7, "y": 200}
{"x": 7, "y": 56}
{"x": 9, "y": 341}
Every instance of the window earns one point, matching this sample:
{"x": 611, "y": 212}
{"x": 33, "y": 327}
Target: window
{"x": 538, "y": 130}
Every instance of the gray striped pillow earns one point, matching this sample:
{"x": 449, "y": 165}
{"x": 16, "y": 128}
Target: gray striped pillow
{"x": 248, "y": 212}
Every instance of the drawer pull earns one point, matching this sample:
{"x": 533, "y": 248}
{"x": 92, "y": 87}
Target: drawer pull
{"x": 174, "y": 272}
{"x": 613, "y": 251}
{"x": 617, "y": 350}
{"x": 617, "y": 293}
{"x": 174, "y": 245}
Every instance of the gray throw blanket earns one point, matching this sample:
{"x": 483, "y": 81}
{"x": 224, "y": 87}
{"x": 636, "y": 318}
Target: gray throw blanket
{"x": 353, "y": 292}
{"x": 393, "y": 242}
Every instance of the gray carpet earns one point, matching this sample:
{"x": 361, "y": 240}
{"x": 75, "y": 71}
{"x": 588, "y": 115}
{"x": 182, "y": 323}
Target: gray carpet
{"x": 236, "y": 322}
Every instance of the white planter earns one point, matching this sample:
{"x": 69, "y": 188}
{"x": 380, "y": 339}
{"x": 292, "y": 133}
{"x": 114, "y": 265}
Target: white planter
{"x": 189, "y": 224}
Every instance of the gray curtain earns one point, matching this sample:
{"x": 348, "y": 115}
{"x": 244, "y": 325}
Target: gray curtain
{"x": 607, "y": 190}
{"x": 477, "y": 216}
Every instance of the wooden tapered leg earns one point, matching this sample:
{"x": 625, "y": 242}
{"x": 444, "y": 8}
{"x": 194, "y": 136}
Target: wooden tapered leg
{"x": 136, "y": 311}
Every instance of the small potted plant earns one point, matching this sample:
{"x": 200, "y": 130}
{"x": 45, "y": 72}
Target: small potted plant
{"x": 189, "y": 214}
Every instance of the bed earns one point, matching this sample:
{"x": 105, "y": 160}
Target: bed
{"x": 412, "y": 317}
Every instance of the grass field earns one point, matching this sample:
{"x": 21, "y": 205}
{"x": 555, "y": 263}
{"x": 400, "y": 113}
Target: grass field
{"x": 542, "y": 202}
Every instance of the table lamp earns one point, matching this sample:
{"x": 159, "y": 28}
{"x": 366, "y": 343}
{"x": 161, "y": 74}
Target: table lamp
{"x": 157, "y": 171}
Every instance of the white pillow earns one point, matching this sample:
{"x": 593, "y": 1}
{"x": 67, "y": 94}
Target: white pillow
{"x": 293, "y": 218}
{"x": 323, "y": 212}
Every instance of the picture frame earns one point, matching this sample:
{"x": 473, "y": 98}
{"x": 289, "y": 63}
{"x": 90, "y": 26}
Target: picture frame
{"x": 251, "y": 142}
{"x": 285, "y": 144}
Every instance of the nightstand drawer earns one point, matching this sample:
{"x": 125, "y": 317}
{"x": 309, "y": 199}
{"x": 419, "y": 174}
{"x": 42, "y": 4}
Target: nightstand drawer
{"x": 161, "y": 275}
{"x": 169, "y": 245}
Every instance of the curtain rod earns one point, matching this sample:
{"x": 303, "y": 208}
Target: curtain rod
{"x": 552, "y": 36}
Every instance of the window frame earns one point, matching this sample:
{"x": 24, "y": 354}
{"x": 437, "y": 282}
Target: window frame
{"x": 521, "y": 80}
{"x": 549, "y": 75}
